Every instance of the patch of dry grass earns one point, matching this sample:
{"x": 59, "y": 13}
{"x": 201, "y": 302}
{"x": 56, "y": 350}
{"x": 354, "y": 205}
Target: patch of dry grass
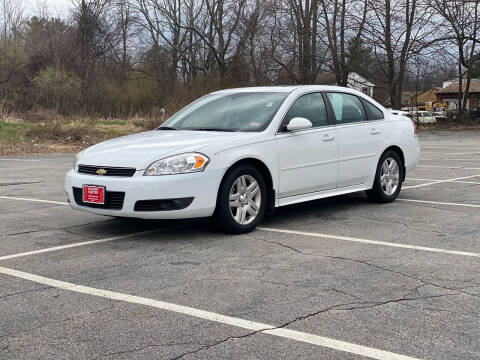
{"x": 48, "y": 132}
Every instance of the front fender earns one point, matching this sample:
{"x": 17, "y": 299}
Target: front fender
{"x": 265, "y": 151}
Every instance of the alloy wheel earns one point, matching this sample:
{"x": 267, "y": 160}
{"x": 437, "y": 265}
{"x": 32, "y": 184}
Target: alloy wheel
{"x": 390, "y": 176}
{"x": 245, "y": 199}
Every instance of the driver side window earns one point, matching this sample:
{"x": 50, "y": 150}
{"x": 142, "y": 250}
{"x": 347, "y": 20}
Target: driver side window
{"x": 311, "y": 107}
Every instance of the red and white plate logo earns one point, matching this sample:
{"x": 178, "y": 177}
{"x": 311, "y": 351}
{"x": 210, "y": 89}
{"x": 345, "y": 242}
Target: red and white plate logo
{"x": 94, "y": 194}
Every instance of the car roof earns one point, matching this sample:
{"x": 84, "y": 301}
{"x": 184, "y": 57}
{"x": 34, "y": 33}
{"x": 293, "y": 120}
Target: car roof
{"x": 286, "y": 89}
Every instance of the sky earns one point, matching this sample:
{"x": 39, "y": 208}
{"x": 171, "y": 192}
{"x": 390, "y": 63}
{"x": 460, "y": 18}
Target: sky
{"x": 56, "y": 8}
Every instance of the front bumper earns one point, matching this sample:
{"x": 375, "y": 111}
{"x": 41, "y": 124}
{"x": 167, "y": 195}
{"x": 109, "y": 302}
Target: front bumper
{"x": 202, "y": 186}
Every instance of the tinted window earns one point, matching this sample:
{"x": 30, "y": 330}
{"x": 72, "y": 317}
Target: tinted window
{"x": 373, "y": 112}
{"x": 311, "y": 107}
{"x": 347, "y": 108}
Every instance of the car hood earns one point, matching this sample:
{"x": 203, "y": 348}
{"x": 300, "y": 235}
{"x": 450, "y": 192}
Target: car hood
{"x": 140, "y": 150}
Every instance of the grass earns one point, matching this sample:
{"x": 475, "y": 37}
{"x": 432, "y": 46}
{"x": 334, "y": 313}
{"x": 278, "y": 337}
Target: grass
{"x": 111, "y": 122}
{"x": 20, "y": 137}
{"x": 77, "y": 131}
{"x": 11, "y": 133}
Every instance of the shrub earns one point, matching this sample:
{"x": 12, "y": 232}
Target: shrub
{"x": 58, "y": 89}
{"x": 42, "y": 115}
{"x": 75, "y": 132}
{"x": 131, "y": 96}
{"x": 146, "y": 122}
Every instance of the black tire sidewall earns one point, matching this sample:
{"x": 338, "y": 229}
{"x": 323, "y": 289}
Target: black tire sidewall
{"x": 377, "y": 187}
{"x": 223, "y": 216}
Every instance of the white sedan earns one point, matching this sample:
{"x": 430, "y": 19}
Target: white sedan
{"x": 238, "y": 154}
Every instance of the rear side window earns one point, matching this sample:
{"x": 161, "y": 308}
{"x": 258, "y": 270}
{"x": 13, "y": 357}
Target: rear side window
{"x": 311, "y": 107}
{"x": 373, "y": 112}
{"x": 347, "y": 108}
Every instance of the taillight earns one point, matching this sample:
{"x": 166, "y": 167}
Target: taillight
{"x": 415, "y": 130}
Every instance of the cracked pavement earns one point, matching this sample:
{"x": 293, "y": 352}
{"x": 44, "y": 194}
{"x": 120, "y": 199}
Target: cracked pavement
{"x": 409, "y": 302}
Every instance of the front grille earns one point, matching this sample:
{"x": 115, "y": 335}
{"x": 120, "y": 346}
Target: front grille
{"x": 110, "y": 171}
{"x": 113, "y": 199}
{"x": 163, "y": 204}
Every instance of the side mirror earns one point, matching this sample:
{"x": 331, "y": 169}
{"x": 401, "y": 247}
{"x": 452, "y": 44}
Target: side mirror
{"x": 299, "y": 123}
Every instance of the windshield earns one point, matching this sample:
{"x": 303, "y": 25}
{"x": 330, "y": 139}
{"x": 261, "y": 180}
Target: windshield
{"x": 243, "y": 111}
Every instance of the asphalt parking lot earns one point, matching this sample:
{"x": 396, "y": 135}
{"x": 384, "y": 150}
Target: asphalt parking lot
{"x": 333, "y": 279}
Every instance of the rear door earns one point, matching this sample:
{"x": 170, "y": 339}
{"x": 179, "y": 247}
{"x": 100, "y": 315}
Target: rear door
{"x": 359, "y": 128}
{"x": 307, "y": 158}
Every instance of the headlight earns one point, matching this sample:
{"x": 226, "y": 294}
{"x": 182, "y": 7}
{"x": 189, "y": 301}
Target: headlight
{"x": 178, "y": 164}
{"x": 77, "y": 157}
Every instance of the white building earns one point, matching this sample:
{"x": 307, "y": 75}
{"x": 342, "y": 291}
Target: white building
{"x": 359, "y": 83}
{"x": 354, "y": 81}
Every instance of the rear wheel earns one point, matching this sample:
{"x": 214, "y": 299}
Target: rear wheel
{"x": 242, "y": 200}
{"x": 388, "y": 178}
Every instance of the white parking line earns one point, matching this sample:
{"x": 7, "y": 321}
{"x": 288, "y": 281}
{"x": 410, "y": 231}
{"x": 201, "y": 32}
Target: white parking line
{"x": 454, "y": 181}
{"x": 439, "y": 182}
{"x": 19, "y": 160}
{"x": 372, "y": 242}
{"x": 34, "y": 200}
{"x": 447, "y": 167}
{"x": 440, "y": 203}
{"x": 211, "y": 316}
{"x": 446, "y": 158}
{"x": 434, "y": 147}
{"x": 464, "y": 153}
{"x": 74, "y": 245}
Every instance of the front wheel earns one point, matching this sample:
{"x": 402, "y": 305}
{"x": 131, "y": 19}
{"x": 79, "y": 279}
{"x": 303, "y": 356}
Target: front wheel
{"x": 242, "y": 200}
{"x": 388, "y": 178}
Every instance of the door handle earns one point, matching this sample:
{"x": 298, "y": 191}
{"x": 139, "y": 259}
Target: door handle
{"x": 328, "y": 137}
{"x": 375, "y": 131}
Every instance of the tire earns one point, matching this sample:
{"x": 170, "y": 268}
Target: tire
{"x": 237, "y": 205}
{"x": 392, "y": 178}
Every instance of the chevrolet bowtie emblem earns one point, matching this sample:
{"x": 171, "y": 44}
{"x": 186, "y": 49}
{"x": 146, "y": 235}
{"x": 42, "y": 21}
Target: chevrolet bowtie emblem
{"x": 101, "y": 172}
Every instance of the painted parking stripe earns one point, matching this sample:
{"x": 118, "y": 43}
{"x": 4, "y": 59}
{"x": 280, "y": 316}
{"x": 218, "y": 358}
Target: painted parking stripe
{"x": 78, "y": 244}
{"x": 454, "y": 181}
{"x": 446, "y": 158}
{"x": 211, "y": 316}
{"x": 440, "y": 182}
{"x": 447, "y": 167}
{"x": 464, "y": 153}
{"x": 434, "y": 147}
{"x": 371, "y": 242}
{"x": 440, "y": 203}
{"x": 19, "y": 160}
{"x": 34, "y": 200}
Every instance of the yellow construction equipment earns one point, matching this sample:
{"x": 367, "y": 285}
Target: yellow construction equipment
{"x": 442, "y": 107}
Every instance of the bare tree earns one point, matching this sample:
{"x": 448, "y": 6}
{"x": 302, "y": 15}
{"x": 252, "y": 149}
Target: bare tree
{"x": 167, "y": 23}
{"x": 396, "y": 30}
{"x": 97, "y": 40}
{"x": 12, "y": 19}
{"x": 462, "y": 29}
{"x": 218, "y": 32}
{"x": 124, "y": 24}
{"x": 343, "y": 22}
{"x": 305, "y": 14}
{"x": 294, "y": 39}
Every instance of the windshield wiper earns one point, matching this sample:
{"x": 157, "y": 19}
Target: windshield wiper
{"x": 166, "y": 128}
{"x": 210, "y": 129}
